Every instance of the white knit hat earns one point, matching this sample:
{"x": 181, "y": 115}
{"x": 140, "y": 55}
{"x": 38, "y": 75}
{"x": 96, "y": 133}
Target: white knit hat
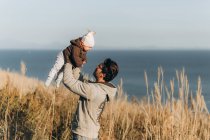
{"x": 88, "y": 39}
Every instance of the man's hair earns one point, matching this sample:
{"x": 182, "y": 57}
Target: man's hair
{"x": 110, "y": 69}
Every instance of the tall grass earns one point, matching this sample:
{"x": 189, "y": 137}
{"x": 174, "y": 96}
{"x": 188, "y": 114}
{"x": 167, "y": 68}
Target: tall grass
{"x": 46, "y": 113}
{"x": 23, "y": 68}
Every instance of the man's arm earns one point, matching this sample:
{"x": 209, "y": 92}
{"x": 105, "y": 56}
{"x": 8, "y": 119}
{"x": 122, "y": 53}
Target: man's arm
{"x": 76, "y": 86}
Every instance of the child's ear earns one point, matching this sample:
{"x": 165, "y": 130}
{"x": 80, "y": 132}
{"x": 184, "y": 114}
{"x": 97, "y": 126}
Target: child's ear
{"x": 81, "y": 43}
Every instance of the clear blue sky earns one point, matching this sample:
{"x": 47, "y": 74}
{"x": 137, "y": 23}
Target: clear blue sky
{"x": 119, "y": 24}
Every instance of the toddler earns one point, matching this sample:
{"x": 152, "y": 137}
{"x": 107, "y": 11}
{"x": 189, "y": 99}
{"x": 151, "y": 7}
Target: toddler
{"x": 77, "y": 50}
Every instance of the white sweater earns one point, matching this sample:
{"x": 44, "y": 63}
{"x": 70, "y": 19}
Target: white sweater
{"x": 57, "y": 71}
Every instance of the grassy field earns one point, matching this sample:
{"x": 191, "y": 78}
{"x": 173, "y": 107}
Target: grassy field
{"x": 29, "y": 110}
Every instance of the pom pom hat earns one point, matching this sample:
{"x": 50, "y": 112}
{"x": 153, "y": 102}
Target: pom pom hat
{"x": 88, "y": 39}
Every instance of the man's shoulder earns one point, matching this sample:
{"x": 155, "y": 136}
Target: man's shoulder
{"x": 105, "y": 84}
{"x": 102, "y": 87}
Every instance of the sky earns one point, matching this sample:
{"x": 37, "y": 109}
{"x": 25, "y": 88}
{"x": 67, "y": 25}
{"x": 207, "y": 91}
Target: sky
{"x": 119, "y": 24}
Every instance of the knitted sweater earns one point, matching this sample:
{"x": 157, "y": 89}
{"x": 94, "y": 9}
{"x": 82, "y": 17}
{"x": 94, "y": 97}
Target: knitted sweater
{"x": 93, "y": 96}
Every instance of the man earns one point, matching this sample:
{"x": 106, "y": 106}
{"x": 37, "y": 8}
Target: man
{"x": 93, "y": 96}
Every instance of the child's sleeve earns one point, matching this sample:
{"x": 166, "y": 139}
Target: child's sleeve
{"x": 55, "y": 69}
{"x": 84, "y": 58}
{"x": 75, "y": 57}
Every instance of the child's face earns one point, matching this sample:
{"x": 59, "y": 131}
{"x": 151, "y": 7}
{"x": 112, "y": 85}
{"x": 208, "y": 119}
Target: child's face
{"x": 87, "y": 48}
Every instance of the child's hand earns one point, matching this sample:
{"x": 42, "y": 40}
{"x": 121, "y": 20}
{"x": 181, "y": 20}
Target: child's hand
{"x": 84, "y": 62}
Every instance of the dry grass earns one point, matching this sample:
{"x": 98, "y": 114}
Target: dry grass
{"x": 28, "y": 110}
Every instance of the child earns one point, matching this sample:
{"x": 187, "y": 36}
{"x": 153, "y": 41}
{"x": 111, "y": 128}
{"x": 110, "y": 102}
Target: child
{"x": 78, "y": 50}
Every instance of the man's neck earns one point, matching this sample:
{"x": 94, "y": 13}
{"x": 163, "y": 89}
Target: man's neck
{"x": 100, "y": 81}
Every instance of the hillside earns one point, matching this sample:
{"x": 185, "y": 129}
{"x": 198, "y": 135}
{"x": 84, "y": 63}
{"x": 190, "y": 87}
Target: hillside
{"x": 29, "y": 110}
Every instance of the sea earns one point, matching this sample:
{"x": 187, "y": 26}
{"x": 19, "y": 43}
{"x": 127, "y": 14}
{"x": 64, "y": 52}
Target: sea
{"x": 133, "y": 64}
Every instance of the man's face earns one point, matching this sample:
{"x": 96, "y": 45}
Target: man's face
{"x": 98, "y": 71}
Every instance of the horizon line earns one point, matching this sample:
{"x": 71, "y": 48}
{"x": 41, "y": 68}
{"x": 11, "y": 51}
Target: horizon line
{"x": 133, "y": 49}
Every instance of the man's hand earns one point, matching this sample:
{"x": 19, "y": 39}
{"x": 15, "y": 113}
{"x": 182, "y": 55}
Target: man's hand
{"x": 66, "y": 54}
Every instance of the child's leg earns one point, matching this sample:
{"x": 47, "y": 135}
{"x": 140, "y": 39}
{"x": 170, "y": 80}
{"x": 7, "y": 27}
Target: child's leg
{"x": 55, "y": 69}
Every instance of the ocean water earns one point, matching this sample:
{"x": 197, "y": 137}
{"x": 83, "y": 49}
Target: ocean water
{"x": 132, "y": 65}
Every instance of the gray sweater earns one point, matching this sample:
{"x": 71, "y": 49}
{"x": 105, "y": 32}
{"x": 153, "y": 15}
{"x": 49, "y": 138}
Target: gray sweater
{"x": 93, "y": 96}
